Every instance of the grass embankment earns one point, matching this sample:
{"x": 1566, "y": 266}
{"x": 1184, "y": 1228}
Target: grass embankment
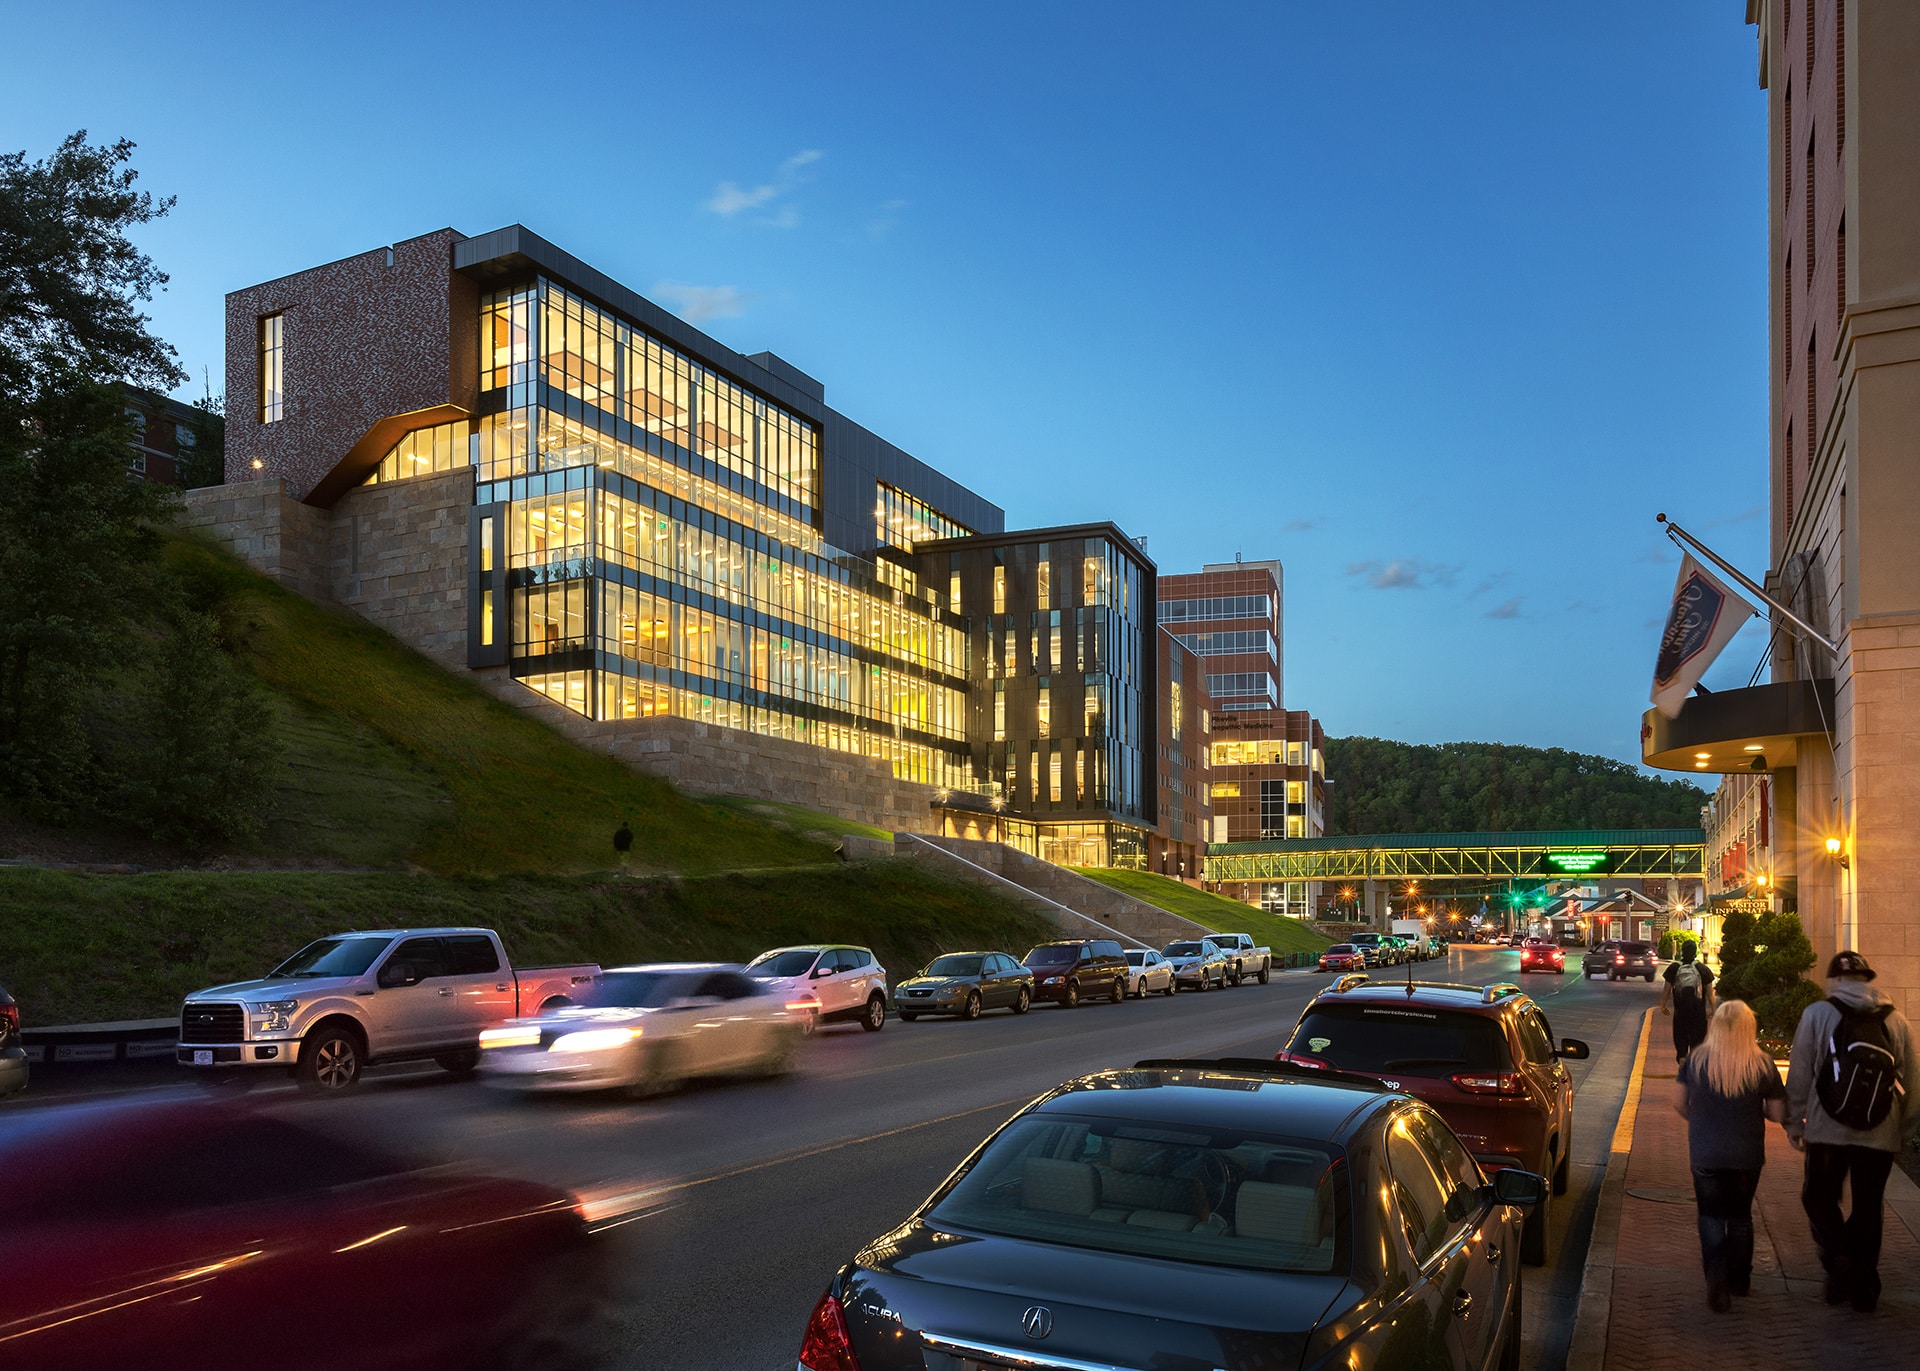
{"x": 1208, "y": 910}
{"x": 801, "y": 820}
{"x": 91, "y": 948}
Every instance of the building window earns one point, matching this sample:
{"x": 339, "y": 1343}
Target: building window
{"x": 423, "y": 452}
{"x": 999, "y": 711}
{"x": 272, "y": 368}
{"x": 901, "y": 520}
{"x": 1273, "y": 809}
{"x": 953, "y": 593}
{"x": 1043, "y": 583}
{"x": 1175, "y": 709}
{"x": 999, "y": 590}
{"x": 1217, "y": 607}
{"x": 1226, "y": 790}
{"x": 1046, "y": 708}
{"x": 184, "y": 438}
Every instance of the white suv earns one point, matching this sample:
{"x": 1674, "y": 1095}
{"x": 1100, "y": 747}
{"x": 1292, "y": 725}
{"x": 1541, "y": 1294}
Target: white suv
{"x": 827, "y": 983}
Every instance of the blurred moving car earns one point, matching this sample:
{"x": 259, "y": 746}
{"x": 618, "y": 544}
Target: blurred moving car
{"x": 1078, "y": 969}
{"x": 1195, "y": 1214}
{"x": 1541, "y": 954}
{"x": 1343, "y": 957}
{"x": 827, "y": 983}
{"x": 13, "y": 1054}
{"x": 199, "y": 1233}
{"x": 1149, "y": 973}
{"x": 1599, "y": 957}
{"x": 965, "y": 983}
{"x": 1633, "y": 959}
{"x": 644, "y": 1030}
{"x": 1484, "y": 1057}
{"x": 1198, "y": 964}
{"x": 1380, "y": 950}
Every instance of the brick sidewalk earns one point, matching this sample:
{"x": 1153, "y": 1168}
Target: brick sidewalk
{"x": 1658, "y": 1315}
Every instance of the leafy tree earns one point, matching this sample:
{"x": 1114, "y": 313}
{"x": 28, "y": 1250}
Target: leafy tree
{"x": 1381, "y": 786}
{"x": 1763, "y": 960}
{"x": 205, "y": 463}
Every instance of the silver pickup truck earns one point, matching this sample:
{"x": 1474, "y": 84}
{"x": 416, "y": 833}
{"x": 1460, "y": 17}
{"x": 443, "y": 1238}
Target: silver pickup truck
{"x": 382, "y": 995}
{"x": 1250, "y": 962}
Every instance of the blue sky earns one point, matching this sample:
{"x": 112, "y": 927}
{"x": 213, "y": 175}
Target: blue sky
{"x": 1438, "y": 304}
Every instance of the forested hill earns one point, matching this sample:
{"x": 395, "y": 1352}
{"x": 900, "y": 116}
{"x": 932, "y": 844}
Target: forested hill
{"x": 1380, "y": 786}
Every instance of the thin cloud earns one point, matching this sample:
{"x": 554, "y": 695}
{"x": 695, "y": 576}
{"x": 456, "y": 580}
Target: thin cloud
{"x": 1404, "y": 573}
{"x": 1302, "y": 525}
{"x": 694, "y": 303}
{"x": 1492, "y": 581}
{"x": 1745, "y": 516}
{"x": 883, "y": 222}
{"x": 730, "y": 199}
{"x": 1506, "y": 609}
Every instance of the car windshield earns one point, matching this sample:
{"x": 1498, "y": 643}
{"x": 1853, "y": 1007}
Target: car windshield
{"x": 332, "y": 957}
{"x": 631, "y": 989}
{"x": 1184, "y": 1193}
{"x": 1183, "y": 949}
{"x": 1052, "y": 956}
{"x": 955, "y": 965}
{"x": 1409, "y": 1039}
{"x": 1136, "y": 959}
{"x": 792, "y": 963}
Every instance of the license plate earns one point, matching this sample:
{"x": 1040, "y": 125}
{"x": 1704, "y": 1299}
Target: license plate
{"x": 203, "y": 1057}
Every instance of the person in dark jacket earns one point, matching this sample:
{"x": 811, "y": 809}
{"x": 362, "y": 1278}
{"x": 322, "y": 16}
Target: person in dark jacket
{"x": 1836, "y": 1154}
{"x": 1726, "y": 1090}
{"x": 1688, "y": 996}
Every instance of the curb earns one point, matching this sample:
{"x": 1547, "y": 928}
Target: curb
{"x": 1594, "y": 1314}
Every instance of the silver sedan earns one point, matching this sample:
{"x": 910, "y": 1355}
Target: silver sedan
{"x": 1148, "y": 973}
{"x": 645, "y": 1029}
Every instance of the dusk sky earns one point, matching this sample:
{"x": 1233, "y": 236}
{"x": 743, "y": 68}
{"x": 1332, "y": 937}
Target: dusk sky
{"x": 1439, "y": 305}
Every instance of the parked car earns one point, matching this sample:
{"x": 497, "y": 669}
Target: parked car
{"x": 965, "y": 983}
{"x": 1343, "y": 957}
{"x": 1441, "y": 946}
{"x": 1412, "y": 933}
{"x": 1541, "y": 954}
{"x": 644, "y": 1030}
{"x": 1068, "y": 972}
{"x": 1633, "y": 959}
{"x": 171, "y": 1234}
{"x": 1379, "y": 949}
{"x": 1485, "y": 1058}
{"x": 13, "y": 1055}
{"x": 827, "y": 983}
{"x": 1149, "y": 973}
{"x": 1195, "y": 1214}
{"x": 380, "y": 995}
{"x": 1198, "y": 964}
{"x": 1249, "y": 960}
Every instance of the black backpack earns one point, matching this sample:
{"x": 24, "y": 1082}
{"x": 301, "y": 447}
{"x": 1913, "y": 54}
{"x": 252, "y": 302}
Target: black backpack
{"x": 1860, "y": 1078}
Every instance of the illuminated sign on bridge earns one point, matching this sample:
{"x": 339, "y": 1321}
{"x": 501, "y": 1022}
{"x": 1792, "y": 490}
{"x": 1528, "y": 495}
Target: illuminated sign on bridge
{"x": 1638, "y": 852}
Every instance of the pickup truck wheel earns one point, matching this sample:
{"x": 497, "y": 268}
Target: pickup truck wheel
{"x": 1265, "y": 973}
{"x": 875, "y": 1018}
{"x": 461, "y": 1063}
{"x": 330, "y": 1060}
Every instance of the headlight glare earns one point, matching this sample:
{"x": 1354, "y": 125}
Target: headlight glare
{"x": 517, "y": 1035}
{"x": 594, "y": 1040}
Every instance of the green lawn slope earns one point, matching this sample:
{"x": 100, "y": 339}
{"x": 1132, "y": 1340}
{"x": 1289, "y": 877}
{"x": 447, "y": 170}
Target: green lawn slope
{"x": 1210, "y": 911}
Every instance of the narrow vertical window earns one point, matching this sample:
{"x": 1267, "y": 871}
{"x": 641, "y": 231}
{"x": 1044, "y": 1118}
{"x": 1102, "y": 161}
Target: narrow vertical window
{"x": 999, "y": 590}
{"x": 1840, "y": 276}
{"x": 1043, "y": 583}
{"x": 999, "y": 711}
{"x": 486, "y": 543}
{"x": 1045, "y": 711}
{"x": 953, "y": 592}
{"x": 272, "y": 368}
{"x": 486, "y": 620}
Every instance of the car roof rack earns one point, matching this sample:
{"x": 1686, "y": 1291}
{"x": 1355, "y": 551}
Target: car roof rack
{"x": 1264, "y": 1066}
{"x": 1348, "y": 982}
{"x": 1498, "y": 992}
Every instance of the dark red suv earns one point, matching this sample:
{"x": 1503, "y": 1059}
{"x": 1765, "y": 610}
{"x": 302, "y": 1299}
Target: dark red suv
{"x": 1484, "y": 1057}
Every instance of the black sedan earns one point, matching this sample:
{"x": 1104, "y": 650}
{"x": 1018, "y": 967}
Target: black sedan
{"x": 965, "y": 983}
{"x": 1196, "y": 1214}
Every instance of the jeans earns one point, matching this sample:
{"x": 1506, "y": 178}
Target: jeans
{"x": 1849, "y": 1246}
{"x": 1724, "y": 1198}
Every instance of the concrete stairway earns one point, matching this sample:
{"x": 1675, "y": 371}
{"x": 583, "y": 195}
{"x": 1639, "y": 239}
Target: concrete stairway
{"x": 1080, "y": 907}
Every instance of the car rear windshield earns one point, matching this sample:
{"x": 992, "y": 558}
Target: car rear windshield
{"x": 1053, "y": 955}
{"x": 955, "y": 965}
{"x": 1634, "y": 949}
{"x": 632, "y": 989}
{"x": 1408, "y": 1039}
{"x": 1183, "y": 949}
{"x": 1136, "y": 959}
{"x": 794, "y": 963}
{"x": 333, "y": 957}
{"x": 1179, "y": 1193}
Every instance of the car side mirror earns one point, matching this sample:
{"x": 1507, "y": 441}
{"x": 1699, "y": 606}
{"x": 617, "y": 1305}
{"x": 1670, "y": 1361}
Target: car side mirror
{"x": 396, "y": 974}
{"x": 820, "y": 971}
{"x": 1574, "y": 1050}
{"x": 1516, "y": 1187}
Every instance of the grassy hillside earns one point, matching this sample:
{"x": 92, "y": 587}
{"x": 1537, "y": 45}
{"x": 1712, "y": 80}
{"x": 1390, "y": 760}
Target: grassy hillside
{"x": 90, "y": 948}
{"x": 1215, "y": 912}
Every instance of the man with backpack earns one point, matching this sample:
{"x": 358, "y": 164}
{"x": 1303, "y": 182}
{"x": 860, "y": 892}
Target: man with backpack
{"x": 1850, "y": 1101}
{"x": 1688, "y": 996}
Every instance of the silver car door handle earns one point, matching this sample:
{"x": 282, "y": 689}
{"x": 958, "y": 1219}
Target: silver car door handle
{"x": 1493, "y": 1251}
{"x": 501, "y": 986}
{"x": 1462, "y": 1302}
{"x": 445, "y": 991}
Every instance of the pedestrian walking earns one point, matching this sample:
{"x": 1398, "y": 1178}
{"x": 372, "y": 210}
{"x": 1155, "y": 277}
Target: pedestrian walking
{"x": 1850, "y": 1103}
{"x": 1726, "y": 1090}
{"x": 1688, "y": 997}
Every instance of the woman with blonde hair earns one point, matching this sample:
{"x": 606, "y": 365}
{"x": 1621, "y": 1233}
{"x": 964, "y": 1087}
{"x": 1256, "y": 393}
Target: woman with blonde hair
{"x": 1726, "y": 1090}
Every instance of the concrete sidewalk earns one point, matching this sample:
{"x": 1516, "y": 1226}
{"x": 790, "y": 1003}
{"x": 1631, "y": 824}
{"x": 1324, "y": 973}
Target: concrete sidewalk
{"x": 1644, "y": 1300}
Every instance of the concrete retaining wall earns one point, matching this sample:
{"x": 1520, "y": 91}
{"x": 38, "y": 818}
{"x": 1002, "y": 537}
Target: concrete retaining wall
{"x": 398, "y": 557}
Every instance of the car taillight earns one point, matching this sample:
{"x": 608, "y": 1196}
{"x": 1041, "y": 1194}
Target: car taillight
{"x": 827, "y": 1346}
{"x": 1302, "y": 1059}
{"x": 1619, "y": 960}
{"x": 1509, "y": 1083}
{"x": 9, "y": 1020}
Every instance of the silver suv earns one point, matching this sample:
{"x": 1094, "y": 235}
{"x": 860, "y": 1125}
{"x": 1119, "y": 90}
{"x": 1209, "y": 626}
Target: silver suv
{"x": 827, "y": 983}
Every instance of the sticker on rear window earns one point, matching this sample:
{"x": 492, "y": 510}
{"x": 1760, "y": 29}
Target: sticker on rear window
{"x": 1318, "y": 1044}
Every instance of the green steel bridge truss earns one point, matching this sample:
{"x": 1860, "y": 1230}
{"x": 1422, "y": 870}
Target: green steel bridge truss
{"x": 1477, "y": 857}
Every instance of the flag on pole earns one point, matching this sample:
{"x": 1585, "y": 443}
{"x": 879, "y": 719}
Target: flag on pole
{"x": 1703, "y": 620}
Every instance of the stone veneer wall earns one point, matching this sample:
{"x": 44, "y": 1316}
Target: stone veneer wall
{"x": 398, "y": 557}
{"x": 262, "y": 525}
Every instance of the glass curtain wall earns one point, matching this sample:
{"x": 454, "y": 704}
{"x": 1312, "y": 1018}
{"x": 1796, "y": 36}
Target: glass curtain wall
{"x": 662, "y": 552}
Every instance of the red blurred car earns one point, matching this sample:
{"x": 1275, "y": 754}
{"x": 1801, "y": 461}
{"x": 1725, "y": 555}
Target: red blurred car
{"x": 1538, "y": 954}
{"x": 1343, "y": 957}
{"x": 203, "y": 1234}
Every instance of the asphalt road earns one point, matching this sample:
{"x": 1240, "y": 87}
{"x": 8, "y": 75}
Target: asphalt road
{"x": 757, "y": 1191}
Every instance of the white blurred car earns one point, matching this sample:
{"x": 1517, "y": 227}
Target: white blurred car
{"x": 826, "y": 983}
{"x": 644, "y": 1030}
{"x": 1148, "y": 973}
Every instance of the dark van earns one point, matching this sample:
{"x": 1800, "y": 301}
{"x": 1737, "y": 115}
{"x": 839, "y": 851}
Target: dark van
{"x": 1081, "y": 969}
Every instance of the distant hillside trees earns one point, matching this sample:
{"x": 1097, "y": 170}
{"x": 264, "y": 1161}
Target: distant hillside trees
{"x": 1380, "y": 786}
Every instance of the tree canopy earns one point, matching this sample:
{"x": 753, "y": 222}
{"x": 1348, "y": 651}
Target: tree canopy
{"x": 1381, "y": 786}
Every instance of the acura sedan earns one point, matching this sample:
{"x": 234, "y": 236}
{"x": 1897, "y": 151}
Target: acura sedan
{"x": 965, "y": 983}
{"x": 1195, "y": 1214}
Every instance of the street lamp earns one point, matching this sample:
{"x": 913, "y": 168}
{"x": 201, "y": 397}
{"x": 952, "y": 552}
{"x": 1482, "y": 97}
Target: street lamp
{"x": 1833, "y": 851}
